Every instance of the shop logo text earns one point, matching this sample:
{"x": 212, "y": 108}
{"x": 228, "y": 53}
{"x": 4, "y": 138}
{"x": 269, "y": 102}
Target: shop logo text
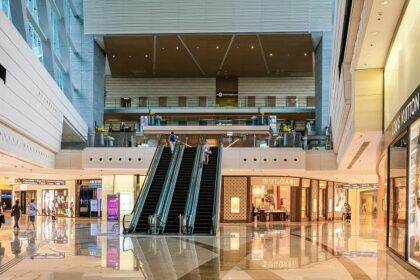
{"x": 406, "y": 113}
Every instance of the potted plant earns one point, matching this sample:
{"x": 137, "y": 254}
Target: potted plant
{"x": 110, "y": 140}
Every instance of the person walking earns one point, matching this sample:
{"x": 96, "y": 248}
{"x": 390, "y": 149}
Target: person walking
{"x": 348, "y": 213}
{"x": 32, "y": 214}
{"x": 2, "y": 218}
{"x": 172, "y": 141}
{"x": 16, "y": 214}
{"x": 207, "y": 153}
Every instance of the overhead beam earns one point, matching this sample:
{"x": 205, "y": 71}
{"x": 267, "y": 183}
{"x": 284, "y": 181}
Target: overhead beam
{"x": 226, "y": 54}
{"x": 154, "y": 55}
{"x": 263, "y": 55}
{"x": 192, "y": 56}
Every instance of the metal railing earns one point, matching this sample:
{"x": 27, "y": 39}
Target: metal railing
{"x": 218, "y": 184}
{"x": 165, "y": 198}
{"x": 112, "y": 139}
{"x": 138, "y": 207}
{"x": 194, "y": 189}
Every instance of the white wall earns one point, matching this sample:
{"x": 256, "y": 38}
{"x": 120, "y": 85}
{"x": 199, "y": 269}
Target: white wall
{"x": 31, "y": 103}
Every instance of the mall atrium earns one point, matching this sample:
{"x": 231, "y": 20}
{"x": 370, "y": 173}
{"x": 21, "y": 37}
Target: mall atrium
{"x": 223, "y": 139}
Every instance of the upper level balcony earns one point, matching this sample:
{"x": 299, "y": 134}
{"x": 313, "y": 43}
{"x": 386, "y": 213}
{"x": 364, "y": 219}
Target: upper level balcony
{"x": 204, "y": 104}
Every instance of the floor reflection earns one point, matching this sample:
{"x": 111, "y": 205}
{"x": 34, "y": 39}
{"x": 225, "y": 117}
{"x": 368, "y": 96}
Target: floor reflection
{"x": 82, "y": 248}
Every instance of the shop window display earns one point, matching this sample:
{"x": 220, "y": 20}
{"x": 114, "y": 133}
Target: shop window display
{"x": 397, "y": 195}
{"x": 55, "y": 200}
{"x": 414, "y": 197}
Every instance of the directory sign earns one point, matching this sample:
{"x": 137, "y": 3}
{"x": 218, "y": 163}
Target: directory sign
{"x": 113, "y": 207}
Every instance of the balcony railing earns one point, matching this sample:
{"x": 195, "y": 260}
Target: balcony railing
{"x": 306, "y": 102}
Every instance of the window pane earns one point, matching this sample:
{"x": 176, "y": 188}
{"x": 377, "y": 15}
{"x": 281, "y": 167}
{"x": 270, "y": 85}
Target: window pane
{"x": 67, "y": 15}
{"x": 4, "y": 5}
{"x": 397, "y": 191}
{"x": 59, "y": 78}
{"x": 55, "y": 38}
{"x": 414, "y": 197}
{"x": 35, "y": 42}
{"x": 33, "y": 8}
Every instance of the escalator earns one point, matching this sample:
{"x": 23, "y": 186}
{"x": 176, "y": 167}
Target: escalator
{"x": 204, "y": 211}
{"x": 180, "y": 193}
{"x": 154, "y": 191}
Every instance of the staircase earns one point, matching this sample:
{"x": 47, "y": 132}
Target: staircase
{"x": 204, "y": 213}
{"x": 155, "y": 190}
{"x": 180, "y": 194}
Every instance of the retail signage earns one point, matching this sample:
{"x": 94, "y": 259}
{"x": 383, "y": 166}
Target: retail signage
{"x": 360, "y": 186}
{"x": 95, "y": 182}
{"x": 40, "y": 182}
{"x": 93, "y": 205}
{"x": 287, "y": 181}
{"x": 113, "y": 207}
{"x": 408, "y": 113}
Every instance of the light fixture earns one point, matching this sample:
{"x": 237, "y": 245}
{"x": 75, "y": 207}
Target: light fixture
{"x": 177, "y": 48}
{"x": 271, "y": 54}
{"x": 162, "y": 49}
{"x": 197, "y": 47}
{"x": 252, "y": 47}
{"x": 305, "y": 54}
{"x": 146, "y": 56}
{"x": 375, "y": 33}
{"x": 237, "y": 47}
{"x": 384, "y": 3}
{"x": 113, "y": 56}
{"x": 129, "y": 56}
{"x": 217, "y": 47}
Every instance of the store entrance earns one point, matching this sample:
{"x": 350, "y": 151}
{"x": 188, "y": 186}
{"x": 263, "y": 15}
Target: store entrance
{"x": 25, "y": 198}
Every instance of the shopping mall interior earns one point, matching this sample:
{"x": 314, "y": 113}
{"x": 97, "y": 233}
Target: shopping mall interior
{"x": 224, "y": 139}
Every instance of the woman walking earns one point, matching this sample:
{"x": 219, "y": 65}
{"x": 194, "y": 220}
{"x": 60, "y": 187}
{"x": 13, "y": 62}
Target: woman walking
{"x": 2, "y": 218}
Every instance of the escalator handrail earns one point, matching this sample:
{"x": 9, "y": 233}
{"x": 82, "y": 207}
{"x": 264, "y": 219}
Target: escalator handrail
{"x": 194, "y": 188}
{"x": 165, "y": 198}
{"x": 138, "y": 206}
{"x": 215, "y": 218}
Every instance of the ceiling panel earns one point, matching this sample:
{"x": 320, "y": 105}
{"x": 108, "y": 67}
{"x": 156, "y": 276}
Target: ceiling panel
{"x": 130, "y": 56}
{"x": 173, "y": 59}
{"x": 289, "y": 54}
{"x": 208, "y": 50}
{"x": 210, "y": 55}
{"x": 245, "y": 57}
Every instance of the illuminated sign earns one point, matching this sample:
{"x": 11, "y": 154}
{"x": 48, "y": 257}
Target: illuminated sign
{"x": 287, "y": 181}
{"x": 40, "y": 182}
{"x": 360, "y": 186}
{"x": 408, "y": 113}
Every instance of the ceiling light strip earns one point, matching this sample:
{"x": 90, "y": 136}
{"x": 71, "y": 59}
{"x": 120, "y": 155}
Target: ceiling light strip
{"x": 226, "y": 54}
{"x": 193, "y": 58}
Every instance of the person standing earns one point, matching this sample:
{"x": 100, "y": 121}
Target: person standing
{"x": 2, "y": 218}
{"x": 348, "y": 213}
{"x": 16, "y": 214}
{"x": 172, "y": 141}
{"x": 32, "y": 213}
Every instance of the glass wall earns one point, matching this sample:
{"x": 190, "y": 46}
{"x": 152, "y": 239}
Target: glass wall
{"x": 397, "y": 195}
{"x": 35, "y": 43}
{"x": 55, "y": 38}
{"x": 32, "y": 8}
{"x": 5, "y": 7}
{"x": 414, "y": 197}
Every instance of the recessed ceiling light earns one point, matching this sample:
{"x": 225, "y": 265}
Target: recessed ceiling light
{"x": 129, "y": 56}
{"x": 237, "y": 47}
{"x": 271, "y": 54}
{"x": 252, "y": 47}
{"x": 177, "y": 48}
{"x": 197, "y": 47}
{"x": 146, "y": 56}
{"x": 384, "y": 3}
{"x": 305, "y": 54}
{"x": 217, "y": 47}
{"x": 162, "y": 49}
{"x": 375, "y": 33}
{"x": 113, "y": 56}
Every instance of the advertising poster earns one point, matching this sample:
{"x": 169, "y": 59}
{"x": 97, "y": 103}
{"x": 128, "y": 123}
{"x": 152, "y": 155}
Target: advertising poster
{"x": 339, "y": 198}
{"x": 93, "y": 205}
{"x": 125, "y": 201}
{"x": 47, "y": 201}
{"x": 113, "y": 207}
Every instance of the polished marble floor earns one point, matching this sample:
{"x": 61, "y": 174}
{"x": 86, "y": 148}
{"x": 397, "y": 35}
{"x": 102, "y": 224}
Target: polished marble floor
{"x": 70, "y": 249}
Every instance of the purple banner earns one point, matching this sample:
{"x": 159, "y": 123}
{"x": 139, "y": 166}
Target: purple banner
{"x": 113, "y": 207}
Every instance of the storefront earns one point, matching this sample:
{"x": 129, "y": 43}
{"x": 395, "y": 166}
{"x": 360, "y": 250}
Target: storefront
{"x": 264, "y": 199}
{"x": 89, "y": 198}
{"x": 49, "y": 195}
